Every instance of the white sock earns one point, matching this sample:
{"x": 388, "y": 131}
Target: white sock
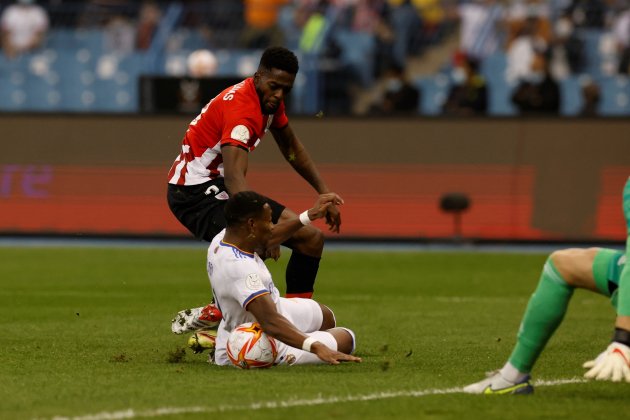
{"x": 512, "y": 374}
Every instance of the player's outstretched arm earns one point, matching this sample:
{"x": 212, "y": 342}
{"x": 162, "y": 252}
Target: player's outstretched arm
{"x": 286, "y": 228}
{"x": 280, "y": 328}
{"x": 296, "y": 154}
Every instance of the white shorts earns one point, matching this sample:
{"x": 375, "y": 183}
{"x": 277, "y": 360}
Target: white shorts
{"x": 307, "y": 316}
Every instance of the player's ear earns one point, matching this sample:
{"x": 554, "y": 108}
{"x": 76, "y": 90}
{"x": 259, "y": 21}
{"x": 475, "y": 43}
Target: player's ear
{"x": 251, "y": 226}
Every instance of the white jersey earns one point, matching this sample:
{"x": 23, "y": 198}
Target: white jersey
{"x": 237, "y": 277}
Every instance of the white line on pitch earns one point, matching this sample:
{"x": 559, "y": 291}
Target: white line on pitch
{"x": 165, "y": 411}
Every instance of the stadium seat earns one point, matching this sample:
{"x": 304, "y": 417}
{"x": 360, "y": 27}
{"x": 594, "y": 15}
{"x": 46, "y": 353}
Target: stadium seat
{"x": 499, "y": 90}
{"x": 12, "y": 96}
{"x": 571, "y": 100}
{"x": 615, "y": 96}
{"x": 357, "y": 50}
{"x": 286, "y": 22}
{"x": 237, "y": 62}
{"x": 591, "y": 39}
{"x": 73, "y": 39}
{"x": 40, "y": 94}
{"x": 434, "y": 91}
{"x": 76, "y": 70}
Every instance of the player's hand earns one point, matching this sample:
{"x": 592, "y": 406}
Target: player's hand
{"x": 323, "y": 205}
{"x": 272, "y": 252}
{"x": 333, "y": 219}
{"x": 611, "y": 365}
{"x": 331, "y": 356}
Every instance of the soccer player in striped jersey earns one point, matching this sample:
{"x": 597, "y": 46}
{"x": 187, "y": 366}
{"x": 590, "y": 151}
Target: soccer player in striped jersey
{"x": 213, "y": 160}
{"x": 603, "y": 271}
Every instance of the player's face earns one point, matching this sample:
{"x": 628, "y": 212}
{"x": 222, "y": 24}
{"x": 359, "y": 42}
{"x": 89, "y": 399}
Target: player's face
{"x": 264, "y": 226}
{"x": 272, "y": 87}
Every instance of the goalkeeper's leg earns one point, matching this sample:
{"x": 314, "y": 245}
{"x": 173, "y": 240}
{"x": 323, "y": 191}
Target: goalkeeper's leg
{"x": 562, "y": 273}
{"x": 623, "y": 305}
{"x": 614, "y": 363}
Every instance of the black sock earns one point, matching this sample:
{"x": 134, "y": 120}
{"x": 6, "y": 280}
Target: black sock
{"x": 301, "y": 273}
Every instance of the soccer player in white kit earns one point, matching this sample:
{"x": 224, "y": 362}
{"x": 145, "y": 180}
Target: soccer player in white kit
{"x": 244, "y": 290}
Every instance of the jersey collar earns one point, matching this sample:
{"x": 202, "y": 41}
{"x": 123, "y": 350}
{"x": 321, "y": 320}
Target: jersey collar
{"x": 236, "y": 249}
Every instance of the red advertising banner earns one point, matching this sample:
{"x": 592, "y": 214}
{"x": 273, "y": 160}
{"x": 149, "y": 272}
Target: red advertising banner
{"x": 382, "y": 201}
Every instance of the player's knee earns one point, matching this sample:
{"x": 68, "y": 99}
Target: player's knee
{"x": 309, "y": 241}
{"x": 562, "y": 261}
{"x": 316, "y": 239}
{"x": 345, "y": 338}
{"x": 573, "y": 263}
{"x": 328, "y": 318}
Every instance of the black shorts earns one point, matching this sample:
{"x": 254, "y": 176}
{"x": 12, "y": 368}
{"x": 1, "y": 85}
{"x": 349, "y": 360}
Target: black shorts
{"x": 200, "y": 208}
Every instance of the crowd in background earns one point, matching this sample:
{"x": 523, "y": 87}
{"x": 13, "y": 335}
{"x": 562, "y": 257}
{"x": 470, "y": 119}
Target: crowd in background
{"x": 543, "y": 41}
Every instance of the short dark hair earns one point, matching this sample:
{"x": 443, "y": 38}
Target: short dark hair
{"x": 242, "y": 206}
{"x": 279, "y": 58}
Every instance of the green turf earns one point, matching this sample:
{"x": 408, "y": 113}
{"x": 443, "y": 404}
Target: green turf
{"x": 87, "y": 331}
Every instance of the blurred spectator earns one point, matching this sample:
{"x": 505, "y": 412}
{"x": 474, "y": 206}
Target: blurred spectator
{"x": 261, "y": 23}
{"x": 522, "y": 50}
{"x": 97, "y": 13}
{"x": 219, "y": 23}
{"x": 119, "y": 35}
{"x": 148, "y": 22}
{"x": 313, "y": 20}
{"x": 24, "y": 26}
{"x": 591, "y": 95}
{"x": 406, "y": 24}
{"x": 469, "y": 94}
{"x": 400, "y": 96}
{"x": 589, "y": 13}
{"x": 567, "y": 48}
{"x": 481, "y": 28}
{"x": 524, "y": 12}
{"x": 539, "y": 94}
{"x": 365, "y": 15}
{"x": 433, "y": 16}
{"x": 370, "y": 17}
{"x": 621, "y": 33}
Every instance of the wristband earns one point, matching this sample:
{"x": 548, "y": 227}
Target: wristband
{"x": 622, "y": 336}
{"x": 308, "y": 342}
{"x": 304, "y": 219}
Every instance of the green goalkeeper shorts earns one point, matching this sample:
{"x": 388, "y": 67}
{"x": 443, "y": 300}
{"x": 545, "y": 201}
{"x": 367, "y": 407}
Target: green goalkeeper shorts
{"x": 607, "y": 268}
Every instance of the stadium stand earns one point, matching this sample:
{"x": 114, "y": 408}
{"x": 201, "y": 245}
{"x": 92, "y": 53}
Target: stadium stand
{"x": 78, "y": 71}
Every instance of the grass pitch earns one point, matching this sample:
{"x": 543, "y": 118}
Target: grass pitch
{"x": 86, "y": 334}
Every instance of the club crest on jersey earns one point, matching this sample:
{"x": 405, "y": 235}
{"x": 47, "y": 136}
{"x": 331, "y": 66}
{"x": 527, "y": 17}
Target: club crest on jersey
{"x": 240, "y": 133}
{"x": 253, "y": 281}
{"x": 291, "y": 359}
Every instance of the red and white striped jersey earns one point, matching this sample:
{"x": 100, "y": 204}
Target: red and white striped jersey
{"x": 232, "y": 117}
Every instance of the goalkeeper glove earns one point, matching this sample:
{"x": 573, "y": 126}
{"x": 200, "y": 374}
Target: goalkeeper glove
{"x": 611, "y": 365}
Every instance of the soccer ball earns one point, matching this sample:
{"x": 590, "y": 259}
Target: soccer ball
{"x": 249, "y": 347}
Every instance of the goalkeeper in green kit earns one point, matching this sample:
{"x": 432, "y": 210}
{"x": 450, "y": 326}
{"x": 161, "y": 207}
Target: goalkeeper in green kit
{"x": 603, "y": 271}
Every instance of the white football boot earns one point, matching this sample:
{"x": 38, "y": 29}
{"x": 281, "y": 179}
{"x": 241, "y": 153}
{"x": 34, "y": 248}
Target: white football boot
{"x": 496, "y": 384}
{"x": 196, "y": 319}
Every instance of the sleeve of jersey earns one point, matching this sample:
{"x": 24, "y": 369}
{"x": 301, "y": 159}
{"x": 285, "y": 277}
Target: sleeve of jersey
{"x": 280, "y": 118}
{"x": 250, "y": 287}
{"x": 237, "y": 133}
